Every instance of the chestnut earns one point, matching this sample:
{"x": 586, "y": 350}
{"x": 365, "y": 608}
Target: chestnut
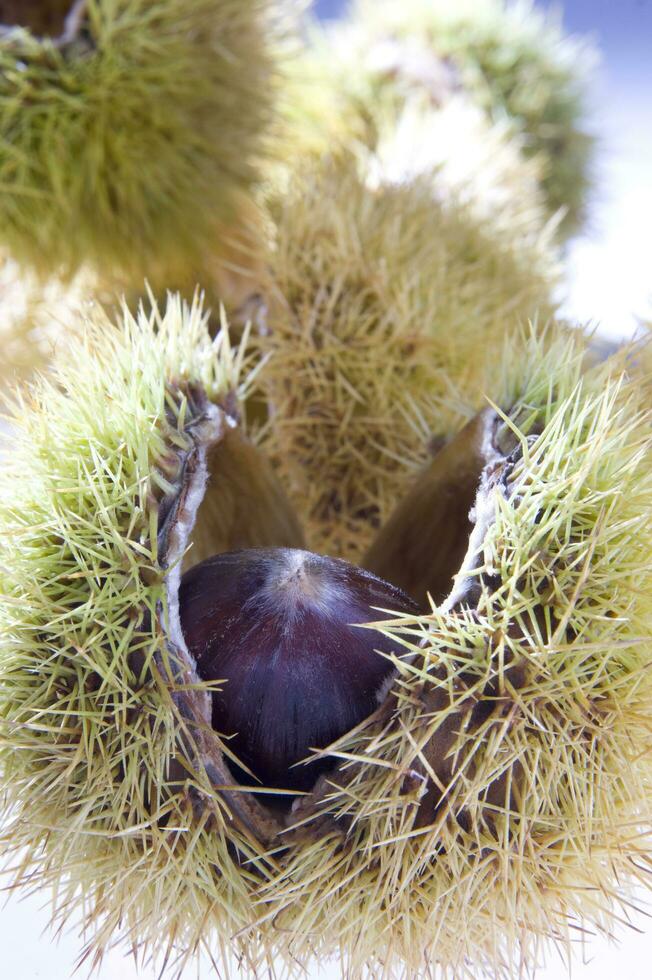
{"x": 277, "y": 625}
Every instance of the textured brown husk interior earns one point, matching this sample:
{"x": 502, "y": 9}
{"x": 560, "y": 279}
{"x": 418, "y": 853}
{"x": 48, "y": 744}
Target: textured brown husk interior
{"x": 425, "y": 540}
{"x": 45, "y": 18}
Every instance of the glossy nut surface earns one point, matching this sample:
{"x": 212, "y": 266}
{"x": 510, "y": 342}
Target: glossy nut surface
{"x": 277, "y": 626}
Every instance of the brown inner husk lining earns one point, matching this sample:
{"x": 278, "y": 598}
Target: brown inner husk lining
{"x": 44, "y": 18}
{"x": 225, "y": 497}
{"x": 423, "y": 544}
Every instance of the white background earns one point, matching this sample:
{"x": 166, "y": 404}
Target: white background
{"x": 27, "y": 953}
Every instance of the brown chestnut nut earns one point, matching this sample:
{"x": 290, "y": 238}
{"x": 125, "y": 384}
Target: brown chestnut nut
{"x": 276, "y": 625}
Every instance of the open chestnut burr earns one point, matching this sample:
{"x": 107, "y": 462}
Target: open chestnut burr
{"x": 278, "y": 629}
{"x": 482, "y": 760}
{"x": 291, "y": 643}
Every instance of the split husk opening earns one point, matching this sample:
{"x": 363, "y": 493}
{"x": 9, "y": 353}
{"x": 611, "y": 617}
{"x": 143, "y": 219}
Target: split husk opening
{"x": 502, "y": 782}
{"x": 225, "y": 497}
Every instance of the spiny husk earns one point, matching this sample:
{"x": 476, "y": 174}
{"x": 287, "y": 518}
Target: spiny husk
{"x": 478, "y": 164}
{"x": 382, "y": 302}
{"x": 464, "y": 153}
{"x": 500, "y": 800}
{"x": 101, "y": 797}
{"x": 131, "y": 141}
{"x": 513, "y": 60}
{"x": 502, "y": 787}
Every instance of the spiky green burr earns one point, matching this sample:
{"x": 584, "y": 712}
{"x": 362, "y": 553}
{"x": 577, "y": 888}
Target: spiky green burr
{"x": 500, "y": 799}
{"x": 131, "y": 135}
{"x": 470, "y": 161}
{"x": 502, "y": 788}
{"x": 383, "y": 300}
{"x": 511, "y": 59}
{"x": 93, "y": 531}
